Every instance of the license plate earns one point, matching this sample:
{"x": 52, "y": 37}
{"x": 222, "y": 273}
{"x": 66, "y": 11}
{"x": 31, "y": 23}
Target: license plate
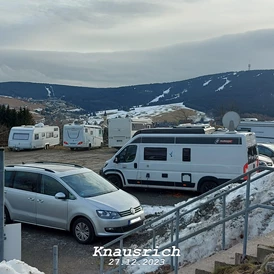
{"x": 134, "y": 220}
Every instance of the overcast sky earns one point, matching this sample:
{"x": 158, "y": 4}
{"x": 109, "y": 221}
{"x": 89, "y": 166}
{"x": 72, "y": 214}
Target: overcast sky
{"x": 123, "y": 42}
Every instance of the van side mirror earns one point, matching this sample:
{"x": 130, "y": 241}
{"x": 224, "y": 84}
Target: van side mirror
{"x": 116, "y": 160}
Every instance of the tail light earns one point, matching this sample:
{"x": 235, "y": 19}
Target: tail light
{"x": 245, "y": 169}
{"x": 65, "y": 143}
{"x": 80, "y": 143}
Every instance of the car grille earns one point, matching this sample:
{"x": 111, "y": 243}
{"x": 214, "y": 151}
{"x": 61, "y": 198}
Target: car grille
{"x": 128, "y": 212}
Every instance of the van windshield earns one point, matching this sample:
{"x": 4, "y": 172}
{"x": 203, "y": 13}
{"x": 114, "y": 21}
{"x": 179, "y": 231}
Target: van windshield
{"x": 73, "y": 133}
{"x": 89, "y": 184}
{"x": 20, "y": 136}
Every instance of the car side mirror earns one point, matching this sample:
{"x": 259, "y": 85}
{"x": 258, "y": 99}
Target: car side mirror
{"x": 60, "y": 195}
{"x": 116, "y": 160}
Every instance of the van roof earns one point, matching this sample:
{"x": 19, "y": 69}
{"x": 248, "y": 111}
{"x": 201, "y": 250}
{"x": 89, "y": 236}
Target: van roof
{"x": 194, "y": 130}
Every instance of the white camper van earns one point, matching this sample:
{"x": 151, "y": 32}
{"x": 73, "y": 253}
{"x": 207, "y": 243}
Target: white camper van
{"x": 33, "y": 137}
{"x": 185, "y": 159}
{"x": 263, "y": 130}
{"x": 120, "y": 130}
{"x": 76, "y": 136}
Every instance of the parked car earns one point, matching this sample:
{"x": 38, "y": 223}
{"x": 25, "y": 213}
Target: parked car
{"x": 265, "y": 161}
{"x": 266, "y": 149}
{"x": 69, "y": 197}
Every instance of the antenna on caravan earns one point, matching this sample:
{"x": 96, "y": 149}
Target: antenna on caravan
{"x": 231, "y": 120}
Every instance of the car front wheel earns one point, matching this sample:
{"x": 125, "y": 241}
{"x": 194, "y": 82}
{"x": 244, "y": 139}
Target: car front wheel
{"x": 83, "y": 231}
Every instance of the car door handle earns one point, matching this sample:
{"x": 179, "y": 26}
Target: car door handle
{"x": 40, "y": 201}
{"x": 31, "y": 199}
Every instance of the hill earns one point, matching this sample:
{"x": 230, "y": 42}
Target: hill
{"x": 244, "y": 91}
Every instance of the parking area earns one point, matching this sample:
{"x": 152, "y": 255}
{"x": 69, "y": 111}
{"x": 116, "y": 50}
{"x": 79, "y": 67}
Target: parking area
{"x": 38, "y": 242}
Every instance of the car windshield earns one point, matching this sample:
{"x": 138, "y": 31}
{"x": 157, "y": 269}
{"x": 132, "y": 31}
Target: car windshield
{"x": 89, "y": 184}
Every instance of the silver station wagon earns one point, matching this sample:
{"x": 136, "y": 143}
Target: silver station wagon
{"x": 69, "y": 197}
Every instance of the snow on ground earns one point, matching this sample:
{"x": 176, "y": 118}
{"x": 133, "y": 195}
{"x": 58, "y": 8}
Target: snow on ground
{"x": 261, "y": 221}
{"x": 17, "y": 267}
{"x": 141, "y": 112}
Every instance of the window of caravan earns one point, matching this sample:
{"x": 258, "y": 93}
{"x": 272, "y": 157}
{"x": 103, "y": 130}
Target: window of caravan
{"x": 155, "y": 153}
{"x": 20, "y": 136}
{"x": 36, "y": 136}
{"x": 252, "y": 154}
{"x": 128, "y": 154}
{"x": 49, "y": 134}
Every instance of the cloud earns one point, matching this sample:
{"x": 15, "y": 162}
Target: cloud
{"x": 178, "y": 62}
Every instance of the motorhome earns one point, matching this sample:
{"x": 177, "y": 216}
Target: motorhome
{"x": 185, "y": 159}
{"x": 33, "y": 137}
{"x": 82, "y": 136}
{"x": 120, "y": 130}
{"x": 263, "y": 130}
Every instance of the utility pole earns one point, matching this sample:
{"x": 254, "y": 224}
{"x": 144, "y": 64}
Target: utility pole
{"x": 2, "y": 204}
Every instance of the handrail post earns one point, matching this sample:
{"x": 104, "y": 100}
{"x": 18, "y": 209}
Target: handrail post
{"x": 177, "y": 240}
{"x": 247, "y": 203}
{"x": 2, "y": 197}
{"x": 55, "y": 259}
{"x": 223, "y": 216}
{"x": 171, "y": 240}
{"x": 121, "y": 257}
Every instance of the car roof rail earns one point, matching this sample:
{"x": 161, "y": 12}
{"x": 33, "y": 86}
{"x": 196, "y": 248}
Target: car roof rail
{"x": 57, "y": 163}
{"x": 29, "y": 165}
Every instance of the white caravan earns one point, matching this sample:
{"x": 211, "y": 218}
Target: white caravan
{"x": 33, "y": 137}
{"x": 76, "y": 136}
{"x": 185, "y": 159}
{"x": 120, "y": 130}
{"x": 264, "y": 131}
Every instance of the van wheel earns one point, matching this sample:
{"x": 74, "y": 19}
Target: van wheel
{"x": 89, "y": 147}
{"x": 115, "y": 180}
{"x": 83, "y": 231}
{"x": 207, "y": 185}
{"x": 7, "y": 219}
{"x": 46, "y": 146}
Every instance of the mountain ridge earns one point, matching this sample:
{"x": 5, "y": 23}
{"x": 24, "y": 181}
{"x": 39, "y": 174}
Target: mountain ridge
{"x": 250, "y": 91}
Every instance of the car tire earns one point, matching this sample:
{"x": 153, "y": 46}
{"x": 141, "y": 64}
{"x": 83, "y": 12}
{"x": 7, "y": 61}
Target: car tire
{"x": 83, "y": 231}
{"x": 7, "y": 219}
{"x": 207, "y": 185}
{"x": 114, "y": 179}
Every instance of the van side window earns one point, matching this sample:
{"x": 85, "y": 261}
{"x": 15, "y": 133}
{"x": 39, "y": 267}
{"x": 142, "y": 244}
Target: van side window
{"x": 36, "y": 136}
{"x": 49, "y": 186}
{"x": 155, "y": 153}
{"x": 26, "y": 181}
{"x": 8, "y": 178}
{"x": 128, "y": 154}
{"x": 186, "y": 155}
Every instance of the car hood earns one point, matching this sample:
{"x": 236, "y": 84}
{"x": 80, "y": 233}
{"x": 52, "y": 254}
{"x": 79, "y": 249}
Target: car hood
{"x": 116, "y": 201}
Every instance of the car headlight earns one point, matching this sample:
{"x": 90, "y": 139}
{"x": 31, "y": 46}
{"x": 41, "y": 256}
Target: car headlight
{"x": 106, "y": 214}
{"x": 106, "y": 163}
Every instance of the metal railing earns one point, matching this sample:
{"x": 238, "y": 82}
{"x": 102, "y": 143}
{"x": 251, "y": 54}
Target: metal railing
{"x": 173, "y": 218}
